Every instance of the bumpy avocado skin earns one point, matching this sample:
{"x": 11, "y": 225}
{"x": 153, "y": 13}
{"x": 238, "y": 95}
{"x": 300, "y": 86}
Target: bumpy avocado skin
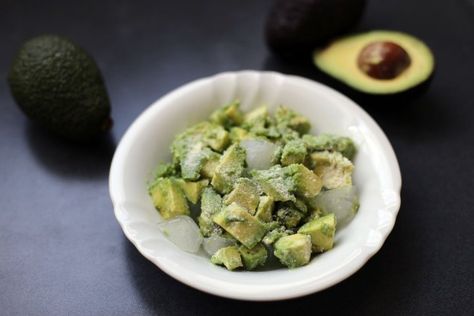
{"x": 58, "y": 85}
{"x": 295, "y": 27}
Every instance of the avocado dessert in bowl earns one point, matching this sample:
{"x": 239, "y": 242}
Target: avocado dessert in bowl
{"x": 284, "y": 193}
{"x": 257, "y": 182}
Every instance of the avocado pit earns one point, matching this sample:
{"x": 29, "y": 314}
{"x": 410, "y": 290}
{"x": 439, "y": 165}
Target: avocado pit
{"x": 383, "y": 60}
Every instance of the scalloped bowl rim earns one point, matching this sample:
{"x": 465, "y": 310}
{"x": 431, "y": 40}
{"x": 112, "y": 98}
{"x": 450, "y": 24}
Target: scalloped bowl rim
{"x": 290, "y": 290}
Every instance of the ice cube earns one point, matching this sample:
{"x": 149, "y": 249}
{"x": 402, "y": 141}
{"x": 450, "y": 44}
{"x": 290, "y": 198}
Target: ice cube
{"x": 343, "y": 202}
{"x": 259, "y": 153}
{"x": 214, "y": 243}
{"x": 183, "y": 232}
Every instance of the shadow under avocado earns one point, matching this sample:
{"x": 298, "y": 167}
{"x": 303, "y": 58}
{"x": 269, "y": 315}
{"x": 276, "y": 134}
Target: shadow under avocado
{"x": 378, "y": 280}
{"x": 71, "y": 159}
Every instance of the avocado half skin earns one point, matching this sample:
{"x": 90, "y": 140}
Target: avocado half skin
{"x": 295, "y": 27}
{"x": 395, "y": 100}
{"x": 59, "y": 86}
{"x": 350, "y": 80}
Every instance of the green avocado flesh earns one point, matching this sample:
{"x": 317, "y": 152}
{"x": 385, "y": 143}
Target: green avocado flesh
{"x": 340, "y": 59}
{"x": 59, "y": 86}
{"x": 247, "y": 211}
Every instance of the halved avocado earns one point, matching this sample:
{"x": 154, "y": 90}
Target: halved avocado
{"x": 377, "y": 62}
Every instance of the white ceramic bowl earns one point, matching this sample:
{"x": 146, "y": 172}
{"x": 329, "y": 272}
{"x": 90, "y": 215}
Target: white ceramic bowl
{"x": 147, "y": 142}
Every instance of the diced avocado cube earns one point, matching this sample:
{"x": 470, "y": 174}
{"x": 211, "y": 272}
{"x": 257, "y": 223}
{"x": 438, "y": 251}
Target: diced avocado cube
{"x": 288, "y": 118}
{"x": 333, "y": 168}
{"x": 254, "y": 257}
{"x": 269, "y": 132}
{"x": 256, "y": 115}
{"x": 193, "y": 160}
{"x": 237, "y": 134}
{"x": 184, "y": 141}
{"x": 191, "y": 189}
{"x": 293, "y": 250}
{"x": 217, "y": 138}
{"x": 329, "y": 142}
{"x": 227, "y": 116}
{"x": 294, "y": 152}
{"x": 288, "y": 215}
{"x": 245, "y": 193}
{"x": 280, "y": 183}
{"x": 211, "y": 204}
{"x": 265, "y": 209}
{"x": 276, "y": 159}
{"x": 190, "y": 150}
{"x": 322, "y": 232}
{"x": 210, "y": 164}
{"x": 197, "y": 137}
{"x": 260, "y": 123}
{"x": 300, "y": 205}
{"x": 318, "y": 143}
{"x": 229, "y": 169}
{"x": 314, "y": 213}
{"x": 275, "y": 182}
{"x": 228, "y": 257}
{"x": 256, "y": 127}
{"x": 345, "y": 146}
{"x": 273, "y": 235}
{"x": 168, "y": 198}
{"x": 307, "y": 183}
{"x": 164, "y": 170}
{"x": 271, "y": 225}
{"x": 287, "y": 134}
{"x": 244, "y": 227}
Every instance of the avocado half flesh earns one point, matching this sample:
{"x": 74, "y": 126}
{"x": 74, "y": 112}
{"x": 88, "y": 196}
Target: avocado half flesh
{"x": 341, "y": 60}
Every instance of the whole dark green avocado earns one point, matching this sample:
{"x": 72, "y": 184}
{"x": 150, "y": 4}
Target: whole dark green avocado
{"x": 59, "y": 86}
{"x": 296, "y": 27}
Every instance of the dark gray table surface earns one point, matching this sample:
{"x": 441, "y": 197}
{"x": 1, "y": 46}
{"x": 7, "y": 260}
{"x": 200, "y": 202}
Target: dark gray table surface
{"x": 61, "y": 250}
